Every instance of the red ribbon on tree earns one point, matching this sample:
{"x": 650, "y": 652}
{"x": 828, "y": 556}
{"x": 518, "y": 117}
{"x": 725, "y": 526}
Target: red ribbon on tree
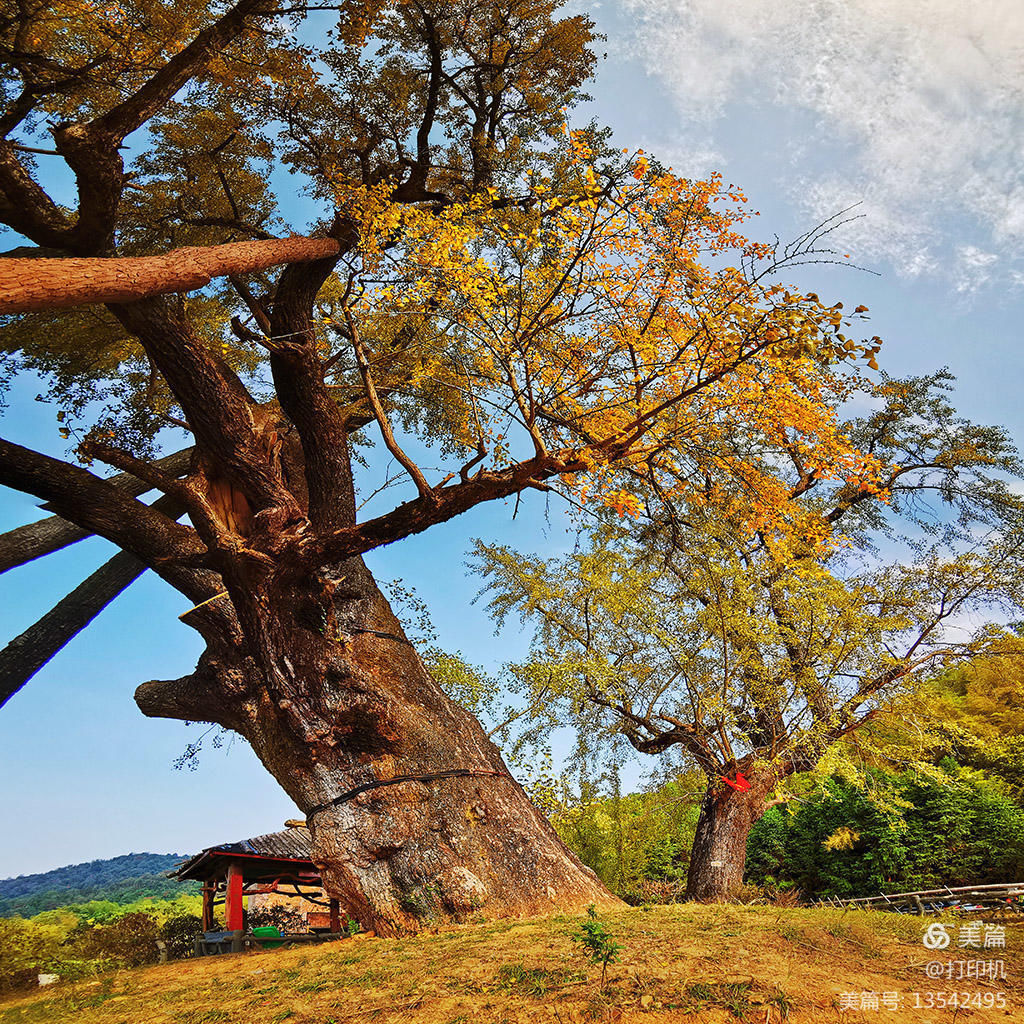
{"x": 740, "y": 785}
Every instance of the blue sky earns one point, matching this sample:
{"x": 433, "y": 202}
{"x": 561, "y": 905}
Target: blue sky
{"x": 913, "y": 110}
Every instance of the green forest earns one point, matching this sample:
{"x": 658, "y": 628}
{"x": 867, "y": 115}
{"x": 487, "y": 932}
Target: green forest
{"x": 117, "y": 880}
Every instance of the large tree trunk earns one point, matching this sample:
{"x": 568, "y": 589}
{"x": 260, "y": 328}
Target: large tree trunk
{"x": 720, "y": 845}
{"x": 341, "y": 700}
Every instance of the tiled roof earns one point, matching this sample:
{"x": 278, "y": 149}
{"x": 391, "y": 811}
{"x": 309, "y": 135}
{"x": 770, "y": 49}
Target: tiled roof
{"x": 292, "y": 843}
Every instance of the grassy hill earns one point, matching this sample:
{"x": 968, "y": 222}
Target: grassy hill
{"x": 687, "y": 961}
{"x": 120, "y": 880}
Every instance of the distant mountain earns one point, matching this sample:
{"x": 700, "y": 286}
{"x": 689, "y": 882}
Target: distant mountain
{"x": 120, "y": 879}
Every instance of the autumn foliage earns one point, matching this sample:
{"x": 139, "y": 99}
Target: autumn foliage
{"x": 598, "y": 316}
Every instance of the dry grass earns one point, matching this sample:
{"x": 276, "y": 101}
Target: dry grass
{"x": 692, "y": 962}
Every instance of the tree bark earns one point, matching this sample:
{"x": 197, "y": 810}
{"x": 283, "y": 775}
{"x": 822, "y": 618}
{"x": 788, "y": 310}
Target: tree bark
{"x": 26, "y": 654}
{"x": 33, "y": 540}
{"x": 719, "y": 852}
{"x": 414, "y": 816}
{"x": 34, "y": 284}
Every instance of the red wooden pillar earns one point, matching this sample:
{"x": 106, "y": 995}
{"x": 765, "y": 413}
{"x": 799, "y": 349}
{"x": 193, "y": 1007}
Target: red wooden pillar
{"x": 233, "y": 899}
{"x": 335, "y": 917}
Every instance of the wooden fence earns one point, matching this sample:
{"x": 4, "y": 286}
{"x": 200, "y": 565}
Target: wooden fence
{"x": 1006, "y": 897}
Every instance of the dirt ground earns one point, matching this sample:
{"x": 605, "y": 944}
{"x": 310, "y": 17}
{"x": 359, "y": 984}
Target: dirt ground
{"x": 689, "y": 962}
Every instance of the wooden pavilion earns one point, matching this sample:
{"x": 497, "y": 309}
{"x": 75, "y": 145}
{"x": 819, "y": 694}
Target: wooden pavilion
{"x": 275, "y": 863}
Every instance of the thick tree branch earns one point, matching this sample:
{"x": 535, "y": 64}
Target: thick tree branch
{"x": 30, "y": 651}
{"x": 229, "y": 426}
{"x": 39, "y": 284}
{"x": 203, "y": 696}
{"x": 304, "y": 396}
{"x": 26, "y": 654}
{"x": 98, "y": 506}
{"x": 26, "y": 208}
{"x": 133, "y": 112}
{"x": 92, "y": 150}
{"x": 417, "y": 515}
{"x": 26, "y": 543}
{"x": 257, "y": 310}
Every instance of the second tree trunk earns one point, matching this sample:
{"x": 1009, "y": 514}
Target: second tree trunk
{"x": 719, "y": 852}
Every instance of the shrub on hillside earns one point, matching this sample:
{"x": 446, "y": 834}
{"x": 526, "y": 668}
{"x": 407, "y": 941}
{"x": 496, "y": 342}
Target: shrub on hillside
{"x": 654, "y": 890}
{"x": 63, "y": 922}
{"x": 180, "y": 933}
{"x": 634, "y": 839}
{"x": 130, "y": 941}
{"x": 25, "y": 950}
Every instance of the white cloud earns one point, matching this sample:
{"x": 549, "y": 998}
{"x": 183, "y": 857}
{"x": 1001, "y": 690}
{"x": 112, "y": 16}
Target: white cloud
{"x": 919, "y": 102}
{"x": 694, "y": 154}
{"x": 973, "y": 268}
